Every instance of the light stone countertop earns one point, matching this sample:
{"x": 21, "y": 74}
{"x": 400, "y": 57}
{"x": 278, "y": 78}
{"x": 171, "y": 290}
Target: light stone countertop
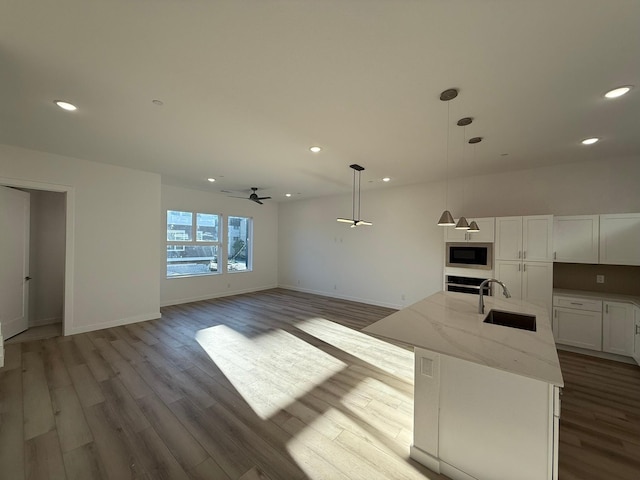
{"x": 614, "y": 297}
{"x": 449, "y": 323}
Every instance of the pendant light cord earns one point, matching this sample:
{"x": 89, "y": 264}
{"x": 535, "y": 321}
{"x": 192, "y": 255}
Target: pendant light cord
{"x": 446, "y": 198}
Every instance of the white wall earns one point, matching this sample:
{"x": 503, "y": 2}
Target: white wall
{"x": 401, "y": 254}
{"x": 114, "y": 276}
{"x": 265, "y": 251}
{"x": 46, "y": 257}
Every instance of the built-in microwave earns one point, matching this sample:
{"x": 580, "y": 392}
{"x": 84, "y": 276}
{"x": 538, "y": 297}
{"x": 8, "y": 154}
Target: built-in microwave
{"x": 470, "y": 255}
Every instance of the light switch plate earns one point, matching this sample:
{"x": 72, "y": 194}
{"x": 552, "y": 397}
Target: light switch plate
{"x": 599, "y": 278}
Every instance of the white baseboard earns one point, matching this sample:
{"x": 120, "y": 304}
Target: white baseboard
{"x": 368, "y": 301}
{"x": 210, "y": 296}
{"x": 114, "y": 323}
{"x": 424, "y": 458}
{"x": 41, "y": 322}
{"x": 452, "y": 472}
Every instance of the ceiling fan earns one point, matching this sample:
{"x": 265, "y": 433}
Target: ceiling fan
{"x": 254, "y": 196}
{"x": 353, "y": 221}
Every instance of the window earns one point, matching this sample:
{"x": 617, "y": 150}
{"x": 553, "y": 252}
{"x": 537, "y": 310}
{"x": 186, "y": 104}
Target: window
{"x": 192, "y": 247}
{"x": 239, "y": 244}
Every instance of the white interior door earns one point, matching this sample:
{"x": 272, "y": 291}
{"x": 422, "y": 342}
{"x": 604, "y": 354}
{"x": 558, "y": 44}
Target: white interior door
{"x": 14, "y": 261}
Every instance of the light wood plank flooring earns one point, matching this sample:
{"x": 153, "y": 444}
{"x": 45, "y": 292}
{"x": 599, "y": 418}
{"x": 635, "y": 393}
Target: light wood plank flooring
{"x": 270, "y": 385}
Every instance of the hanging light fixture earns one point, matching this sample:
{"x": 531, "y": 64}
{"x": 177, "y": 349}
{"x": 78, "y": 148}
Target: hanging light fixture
{"x": 446, "y": 219}
{"x": 357, "y": 171}
{"x": 473, "y": 226}
{"x": 463, "y": 224}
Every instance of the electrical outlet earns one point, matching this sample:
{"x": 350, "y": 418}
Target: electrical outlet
{"x": 599, "y": 278}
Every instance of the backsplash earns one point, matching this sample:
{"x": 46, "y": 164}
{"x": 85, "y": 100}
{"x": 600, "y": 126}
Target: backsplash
{"x": 620, "y": 279}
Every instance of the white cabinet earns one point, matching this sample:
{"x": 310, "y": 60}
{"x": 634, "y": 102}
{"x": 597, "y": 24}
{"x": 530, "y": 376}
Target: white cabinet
{"x": 530, "y": 281}
{"x": 524, "y": 238}
{"x": 636, "y": 336}
{"x": 485, "y": 235}
{"x": 576, "y": 238}
{"x": 578, "y": 322}
{"x": 620, "y": 239}
{"x": 618, "y": 328}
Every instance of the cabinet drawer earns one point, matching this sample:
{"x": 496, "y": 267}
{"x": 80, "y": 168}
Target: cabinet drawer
{"x": 578, "y": 303}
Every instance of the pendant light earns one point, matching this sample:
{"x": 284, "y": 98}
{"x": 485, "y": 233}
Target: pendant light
{"x": 463, "y": 122}
{"x": 473, "y": 226}
{"x": 357, "y": 171}
{"x": 446, "y": 219}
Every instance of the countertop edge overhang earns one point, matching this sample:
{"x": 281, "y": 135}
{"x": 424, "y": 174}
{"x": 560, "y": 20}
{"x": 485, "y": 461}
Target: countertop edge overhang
{"x": 449, "y": 323}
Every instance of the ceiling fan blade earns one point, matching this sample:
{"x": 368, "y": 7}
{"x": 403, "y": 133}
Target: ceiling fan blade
{"x": 344, "y": 220}
{"x": 363, "y": 222}
{"x": 264, "y": 198}
{"x": 234, "y": 196}
{"x": 257, "y": 200}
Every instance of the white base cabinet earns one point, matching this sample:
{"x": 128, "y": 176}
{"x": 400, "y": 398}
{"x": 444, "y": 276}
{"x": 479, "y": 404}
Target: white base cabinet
{"x": 477, "y": 422}
{"x": 578, "y": 328}
{"x": 618, "y": 328}
{"x": 636, "y": 336}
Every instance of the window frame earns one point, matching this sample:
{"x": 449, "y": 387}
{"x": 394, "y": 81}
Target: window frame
{"x": 194, "y": 242}
{"x": 249, "y": 244}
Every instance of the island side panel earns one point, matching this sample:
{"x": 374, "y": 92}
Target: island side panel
{"x": 493, "y": 424}
{"x": 426, "y": 408}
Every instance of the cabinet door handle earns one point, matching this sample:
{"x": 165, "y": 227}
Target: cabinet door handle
{"x": 524, "y": 254}
{"x": 524, "y": 267}
{"x": 555, "y": 255}
{"x": 519, "y": 254}
{"x": 575, "y": 303}
{"x": 606, "y": 308}
{"x": 637, "y": 329}
{"x": 555, "y": 313}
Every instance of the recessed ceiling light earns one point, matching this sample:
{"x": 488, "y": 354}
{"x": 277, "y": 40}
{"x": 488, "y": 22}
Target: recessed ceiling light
{"x": 287, "y": 194}
{"x": 211, "y": 179}
{"x": 590, "y": 141}
{"x": 618, "y": 92}
{"x": 65, "y": 105}
{"x": 315, "y": 149}
{"x": 386, "y": 179}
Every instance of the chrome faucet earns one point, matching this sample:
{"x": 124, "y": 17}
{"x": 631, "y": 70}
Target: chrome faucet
{"x": 505, "y": 291}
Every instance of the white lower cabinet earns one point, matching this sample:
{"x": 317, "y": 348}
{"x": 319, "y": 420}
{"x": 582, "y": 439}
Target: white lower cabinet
{"x": 476, "y": 422}
{"x": 578, "y": 328}
{"x": 596, "y": 324}
{"x": 618, "y": 328}
{"x": 636, "y": 336}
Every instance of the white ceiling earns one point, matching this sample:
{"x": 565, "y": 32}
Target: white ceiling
{"x": 249, "y": 86}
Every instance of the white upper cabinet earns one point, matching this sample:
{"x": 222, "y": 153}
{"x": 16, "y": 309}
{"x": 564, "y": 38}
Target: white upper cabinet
{"x": 620, "y": 239}
{"x": 537, "y": 238}
{"x": 485, "y": 235}
{"x": 508, "y": 238}
{"x": 575, "y": 238}
{"x": 525, "y": 238}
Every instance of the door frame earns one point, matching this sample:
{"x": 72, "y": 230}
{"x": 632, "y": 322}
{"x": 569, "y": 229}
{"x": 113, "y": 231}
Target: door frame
{"x": 67, "y": 313}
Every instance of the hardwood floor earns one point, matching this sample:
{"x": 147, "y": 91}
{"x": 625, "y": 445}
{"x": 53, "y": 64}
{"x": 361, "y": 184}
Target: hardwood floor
{"x": 270, "y": 385}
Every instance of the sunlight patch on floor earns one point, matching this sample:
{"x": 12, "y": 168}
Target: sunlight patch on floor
{"x": 270, "y": 371}
{"x": 385, "y": 356}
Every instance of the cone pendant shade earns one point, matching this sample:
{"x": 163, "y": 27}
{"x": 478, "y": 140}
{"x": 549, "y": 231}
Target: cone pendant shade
{"x": 446, "y": 219}
{"x": 473, "y": 227}
{"x": 462, "y": 224}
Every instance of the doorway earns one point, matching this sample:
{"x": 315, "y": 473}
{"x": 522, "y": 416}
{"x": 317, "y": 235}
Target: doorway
{"x": 50, "y": 252}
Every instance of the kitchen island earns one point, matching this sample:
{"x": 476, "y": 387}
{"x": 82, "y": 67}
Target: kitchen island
{"x": 486, "y": 396}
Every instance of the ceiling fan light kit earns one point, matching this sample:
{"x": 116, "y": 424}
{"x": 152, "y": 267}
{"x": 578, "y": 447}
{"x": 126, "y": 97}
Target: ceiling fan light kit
{"x": 355, "y": 222}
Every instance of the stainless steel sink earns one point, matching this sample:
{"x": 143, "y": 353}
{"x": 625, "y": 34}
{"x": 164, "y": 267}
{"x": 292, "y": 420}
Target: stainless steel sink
{"x": 511, "y": 319}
